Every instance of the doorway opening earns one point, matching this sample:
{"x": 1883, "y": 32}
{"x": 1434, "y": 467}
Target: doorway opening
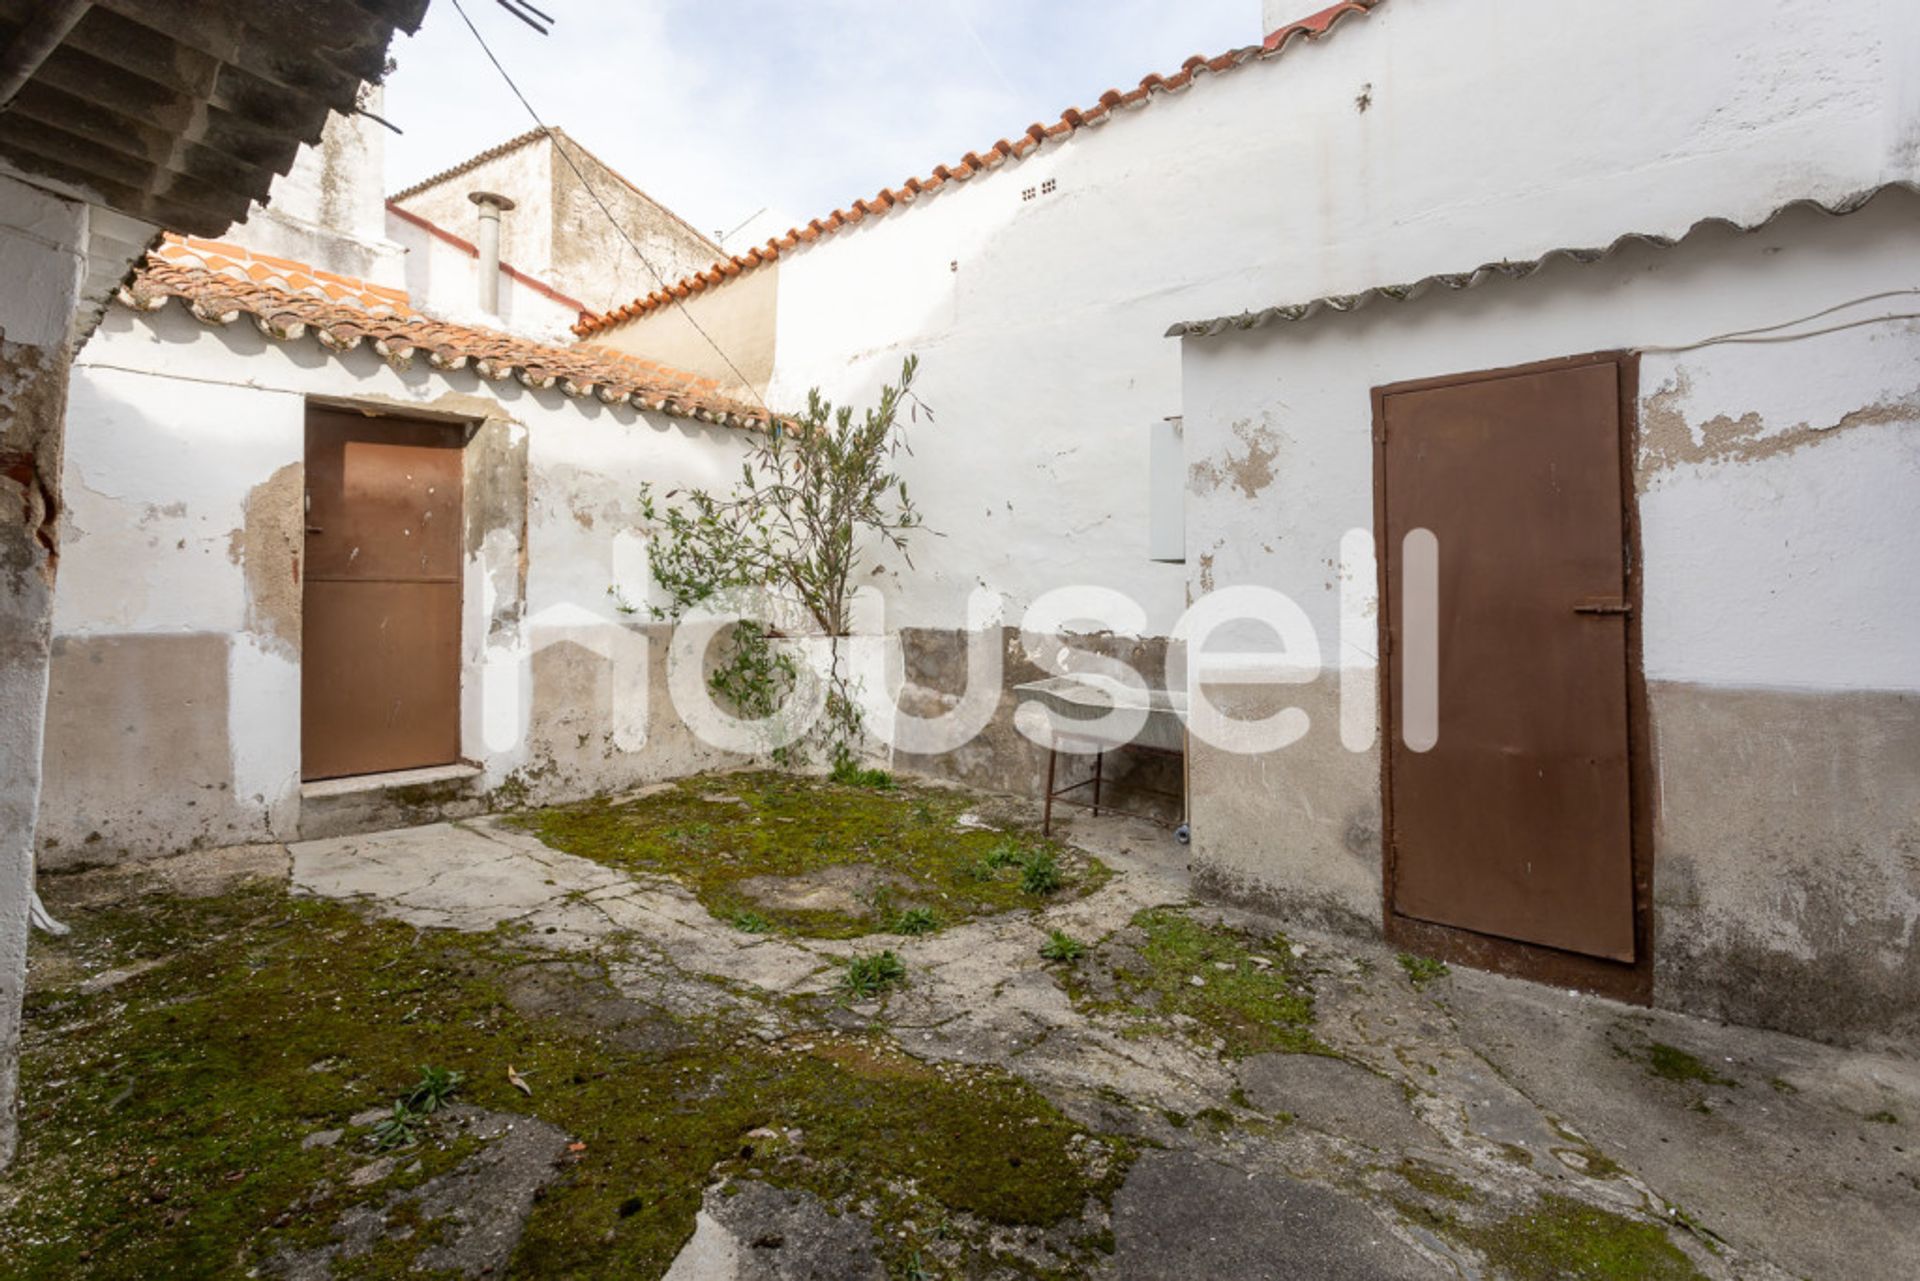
{"x": 381, "y": 595}
{"x": 1519, "y": 838}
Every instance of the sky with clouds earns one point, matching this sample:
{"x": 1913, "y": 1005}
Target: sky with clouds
{"x": 722, "y": 108}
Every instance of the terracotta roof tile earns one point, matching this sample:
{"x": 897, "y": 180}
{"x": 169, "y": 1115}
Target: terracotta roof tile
{"x": 1036, "y": 135}
{"x": 343, "y": 313}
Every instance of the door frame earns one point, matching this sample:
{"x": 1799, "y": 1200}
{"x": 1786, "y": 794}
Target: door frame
{"x": 467, "y": 428}
{"x": 1534, "y": 961}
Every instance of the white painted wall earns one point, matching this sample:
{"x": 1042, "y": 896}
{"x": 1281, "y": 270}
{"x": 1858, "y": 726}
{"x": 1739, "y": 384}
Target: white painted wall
{"x": 1787, "y": 570}
{"x": 172, "y": 425}
{"x": 1492, "y": 129}
{"x": 444, "y": 280}
{"x": 524, "y": 176}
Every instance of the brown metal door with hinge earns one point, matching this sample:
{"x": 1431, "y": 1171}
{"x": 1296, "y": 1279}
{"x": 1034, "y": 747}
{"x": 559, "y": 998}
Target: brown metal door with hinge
{"x": 380, "y": 650}
{"x": 1517, "y": 821}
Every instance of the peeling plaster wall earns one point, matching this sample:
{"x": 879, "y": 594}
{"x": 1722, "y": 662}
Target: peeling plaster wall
{"x": 174, "y": 720}
{"x": 1425, "y": 137}
{"x": 43, "y": 245}
{"x": 1781, "y": 616}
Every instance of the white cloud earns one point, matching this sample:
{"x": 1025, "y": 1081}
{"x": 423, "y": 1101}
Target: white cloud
{"x": 720, "y": 108}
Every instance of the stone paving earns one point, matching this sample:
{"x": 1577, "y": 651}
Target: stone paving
{"x": 1780, "y": 1162}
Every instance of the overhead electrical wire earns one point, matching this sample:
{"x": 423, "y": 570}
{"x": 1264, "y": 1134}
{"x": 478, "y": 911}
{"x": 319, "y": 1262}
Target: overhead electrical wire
{"x": 613, "y": 221}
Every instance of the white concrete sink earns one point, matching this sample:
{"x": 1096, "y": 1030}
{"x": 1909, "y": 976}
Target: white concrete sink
{"x": 1086, "y": 696}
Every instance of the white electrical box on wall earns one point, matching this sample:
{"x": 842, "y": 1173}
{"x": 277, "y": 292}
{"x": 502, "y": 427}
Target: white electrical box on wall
{"x": 1167, "y": 492}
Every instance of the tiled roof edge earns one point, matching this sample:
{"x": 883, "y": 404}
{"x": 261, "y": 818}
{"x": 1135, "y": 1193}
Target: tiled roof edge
{"x": 1071, "y": 121}
{"x": 217, "y": 299}
{"x": 1509, "y": 268}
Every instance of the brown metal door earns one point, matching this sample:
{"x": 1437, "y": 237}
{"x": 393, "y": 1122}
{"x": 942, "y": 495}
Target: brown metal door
{"x": 380, "y": 651}
{"x": 1516, "y": 822}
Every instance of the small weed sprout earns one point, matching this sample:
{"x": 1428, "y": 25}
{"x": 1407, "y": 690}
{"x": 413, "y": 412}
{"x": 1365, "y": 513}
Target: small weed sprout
{"x": 751, "y": 922}
{"x": 434, "y": 1089}
{"x": 916, "y": 920}
{"x": 1041, "y": 875}
{"x": 1062, "y": 947}
{"x": 401, "y": 1130}
{"x": 871, "y": 975}
{"x": 1422, "y": 970}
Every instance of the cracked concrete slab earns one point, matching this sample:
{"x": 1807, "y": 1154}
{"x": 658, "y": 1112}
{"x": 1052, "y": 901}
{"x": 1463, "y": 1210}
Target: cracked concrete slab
{"x": 1182, "y": 1216}
{"x": 1275, "y": 1165}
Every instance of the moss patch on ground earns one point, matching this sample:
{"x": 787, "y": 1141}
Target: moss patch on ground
{"x": 165, "y": 1114}
{"x": 1249, "y": 993}
{"x": 1561, "y": 1239}
{"x": 1671, "y": 1063}
{"x": 725, "y": 835}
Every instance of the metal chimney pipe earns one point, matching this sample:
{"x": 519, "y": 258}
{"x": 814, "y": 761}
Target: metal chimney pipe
{"x": 492, "y": 205}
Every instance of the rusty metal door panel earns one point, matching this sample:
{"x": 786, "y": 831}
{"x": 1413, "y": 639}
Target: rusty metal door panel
{"x": 1517, "y": 823}
{"x": 380, "y": 649}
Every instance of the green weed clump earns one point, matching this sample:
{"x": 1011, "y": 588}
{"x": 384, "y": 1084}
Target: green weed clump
{"x": 748, "y": 921}
{"x": 1422, "y": 970}
{"x": 848, "y": 772}
{"x": 916, "y": 920}
{"x": 1062, "y": 947}
{"x": 871, "y": 975}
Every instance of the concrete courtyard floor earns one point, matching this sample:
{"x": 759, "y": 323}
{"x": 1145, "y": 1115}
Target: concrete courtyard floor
{"x": 1447, "y": 1124}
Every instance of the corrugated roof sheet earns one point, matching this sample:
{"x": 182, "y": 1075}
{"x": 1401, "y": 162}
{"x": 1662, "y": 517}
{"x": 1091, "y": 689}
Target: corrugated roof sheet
{"x": 1512, "y": 269}
{"x": 1036, "y": 135}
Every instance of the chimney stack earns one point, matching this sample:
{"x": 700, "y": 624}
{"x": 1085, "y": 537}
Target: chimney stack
{"x": 492, "y": 205}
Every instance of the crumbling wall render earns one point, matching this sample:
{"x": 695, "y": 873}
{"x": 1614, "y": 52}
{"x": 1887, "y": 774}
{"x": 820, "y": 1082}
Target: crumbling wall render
{"x": 1774, "y": 484}
{"x": 173, "y": 712}
{"x": 41, "y": 261}
{"x": 1783, "y": 621}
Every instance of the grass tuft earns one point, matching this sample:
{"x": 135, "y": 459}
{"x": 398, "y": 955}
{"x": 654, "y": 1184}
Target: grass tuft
{"x": 1422, "y": 970}
{"x": 1061, "y": 947}
{"x": 871, "y": 975}
{"x": 916, "y": 920}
